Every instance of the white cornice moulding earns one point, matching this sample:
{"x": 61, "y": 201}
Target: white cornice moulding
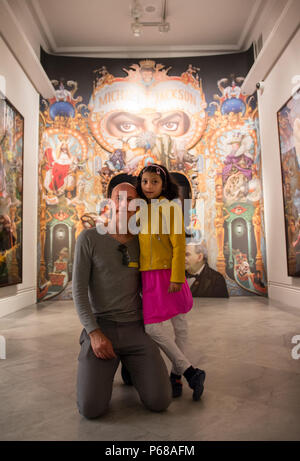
{"x": 15, "y": 38}
{"x": 282, "y": 33}
{"x": 147, "y": 51}
{"x": 139, "y": 49}
{"x": 246, "y": 39}
{"x": 41, "y": 22}
{"x": 146, "y": 54}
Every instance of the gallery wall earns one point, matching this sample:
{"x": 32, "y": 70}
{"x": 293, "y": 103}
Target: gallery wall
{"x": 279, "y": 86}
{"x": 19, "y": 90}
{"x": 277, "y": 91}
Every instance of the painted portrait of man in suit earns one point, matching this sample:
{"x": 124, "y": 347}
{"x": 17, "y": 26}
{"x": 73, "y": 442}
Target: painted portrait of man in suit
{"x": 203, "y": 280}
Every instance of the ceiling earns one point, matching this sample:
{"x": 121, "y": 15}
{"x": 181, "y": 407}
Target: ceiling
{"x": 92, "y": 26}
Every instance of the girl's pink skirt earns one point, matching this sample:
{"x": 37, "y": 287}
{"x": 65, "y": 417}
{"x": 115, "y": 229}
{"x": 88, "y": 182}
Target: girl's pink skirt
{"x": 158, "y": 304}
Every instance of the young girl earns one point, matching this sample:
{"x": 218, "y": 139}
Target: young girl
{"x": 166, "y": 294}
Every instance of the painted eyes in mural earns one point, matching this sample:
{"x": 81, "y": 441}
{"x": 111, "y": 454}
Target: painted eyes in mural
{"x": 121, "y": 123}
{"x": 127, "y": 127}
{"x": 174, "y": 123}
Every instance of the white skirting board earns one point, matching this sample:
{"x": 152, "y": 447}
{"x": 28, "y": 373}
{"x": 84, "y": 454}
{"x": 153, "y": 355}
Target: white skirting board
{"x": 21, "y": 299}
{"x": 2, "y": 348}
{"x": 285, "y": 294}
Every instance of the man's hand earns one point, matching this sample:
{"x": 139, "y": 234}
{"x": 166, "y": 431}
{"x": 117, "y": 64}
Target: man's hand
{"x": 101, "y": 345}
{"x": 174, "y": 287}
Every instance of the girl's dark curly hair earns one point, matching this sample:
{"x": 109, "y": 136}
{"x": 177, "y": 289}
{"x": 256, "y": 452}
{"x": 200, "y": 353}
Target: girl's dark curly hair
{"x": 170, "y": 188}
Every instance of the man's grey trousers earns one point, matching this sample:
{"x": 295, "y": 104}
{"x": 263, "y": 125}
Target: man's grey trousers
{"x": 140, "y": 355}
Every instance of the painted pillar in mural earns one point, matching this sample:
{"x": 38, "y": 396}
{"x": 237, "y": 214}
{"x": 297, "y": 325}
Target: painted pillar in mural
{"x": 232, "y": 149}
{"x": 144, "y": 117}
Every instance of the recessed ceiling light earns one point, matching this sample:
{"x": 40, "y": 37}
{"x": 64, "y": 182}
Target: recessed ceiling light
{"x": 136, "y": 29}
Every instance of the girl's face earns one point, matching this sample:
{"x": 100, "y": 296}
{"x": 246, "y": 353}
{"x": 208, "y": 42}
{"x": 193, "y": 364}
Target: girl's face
{"x": 151, "y": 185}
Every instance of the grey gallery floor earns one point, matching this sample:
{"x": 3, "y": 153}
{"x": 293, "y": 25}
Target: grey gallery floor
{"x": 252, "y": 388}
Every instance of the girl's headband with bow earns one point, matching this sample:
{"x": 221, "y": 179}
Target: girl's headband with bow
{"x": 158, "y": 169}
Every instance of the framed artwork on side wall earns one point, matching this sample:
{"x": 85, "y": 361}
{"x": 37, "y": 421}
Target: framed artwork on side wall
{"x": 289, "y": 136}
{"x": 11, "y": 192}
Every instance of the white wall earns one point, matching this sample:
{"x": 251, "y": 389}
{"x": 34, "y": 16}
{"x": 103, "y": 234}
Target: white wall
{"x": 21, "y": 93}
{"x": 278, "y": 89}
{"x": 24, "y": 96}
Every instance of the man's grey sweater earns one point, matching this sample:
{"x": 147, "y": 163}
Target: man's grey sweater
{"x": 102, "y": 286}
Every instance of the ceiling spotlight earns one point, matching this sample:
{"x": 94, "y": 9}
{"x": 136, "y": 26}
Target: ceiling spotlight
{"x": 136, "y": 10}
{"x": 164, "y": 27}
{"x": 136, "y": 28}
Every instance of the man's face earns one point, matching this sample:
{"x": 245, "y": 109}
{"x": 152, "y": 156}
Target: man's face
{"x": 122, "y": 195}
{"x": 193, "y": 261}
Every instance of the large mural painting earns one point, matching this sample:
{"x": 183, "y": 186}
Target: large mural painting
{"x": 11, "y": 193}
{"x": 289, "y": 136}
{"x": 148, "y": 114}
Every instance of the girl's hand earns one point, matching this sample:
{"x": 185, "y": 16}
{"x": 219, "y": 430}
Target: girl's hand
{"x": 174, "y": 287}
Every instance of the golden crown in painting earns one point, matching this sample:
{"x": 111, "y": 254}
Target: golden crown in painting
{"x": 147, "y": 64}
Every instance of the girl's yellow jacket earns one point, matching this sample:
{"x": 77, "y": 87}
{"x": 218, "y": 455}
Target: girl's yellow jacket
{"x": 162, "y": 238}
